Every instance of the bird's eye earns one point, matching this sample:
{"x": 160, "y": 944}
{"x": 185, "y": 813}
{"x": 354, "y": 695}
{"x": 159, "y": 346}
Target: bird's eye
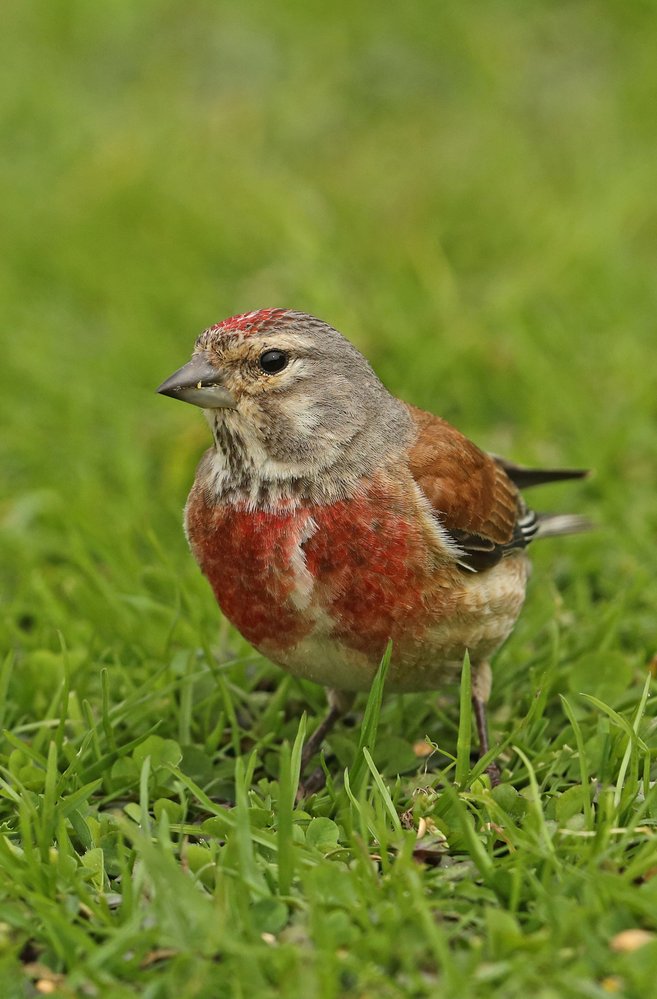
{"x": 273, "y": 361}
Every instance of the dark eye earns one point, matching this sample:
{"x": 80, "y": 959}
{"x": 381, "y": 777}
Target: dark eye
{"x": 273, "y": 361}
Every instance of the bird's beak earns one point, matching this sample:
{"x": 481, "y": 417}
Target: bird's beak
{"x": 199, "y": 383}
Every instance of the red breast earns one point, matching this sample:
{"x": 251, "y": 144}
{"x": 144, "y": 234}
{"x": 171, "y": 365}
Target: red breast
{"x": 362, "y": 565}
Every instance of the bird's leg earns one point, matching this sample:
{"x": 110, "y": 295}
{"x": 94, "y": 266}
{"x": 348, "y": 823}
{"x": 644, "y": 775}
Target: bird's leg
{"x": 339, "y": 702}
{"x": 482, "y": 681}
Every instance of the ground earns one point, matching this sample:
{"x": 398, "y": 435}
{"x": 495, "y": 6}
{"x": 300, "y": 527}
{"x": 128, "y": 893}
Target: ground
{"x": 467, "y": 191}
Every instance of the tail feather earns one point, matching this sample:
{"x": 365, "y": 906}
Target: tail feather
{"x": 525, "y": 478}
{"x": 552, "y": 524}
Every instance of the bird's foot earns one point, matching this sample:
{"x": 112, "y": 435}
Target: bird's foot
{"x": 494, "y": 774}
{"x": 311, "y": 784}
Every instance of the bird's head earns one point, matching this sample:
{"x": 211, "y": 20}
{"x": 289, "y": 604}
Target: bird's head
{"x": 287, "y": 396}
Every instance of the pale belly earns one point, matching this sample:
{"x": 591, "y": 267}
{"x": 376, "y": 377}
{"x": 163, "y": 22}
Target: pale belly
{"x": 481, "y": 621}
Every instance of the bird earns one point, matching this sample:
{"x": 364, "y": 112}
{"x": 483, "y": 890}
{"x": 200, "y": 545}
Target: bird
{"x": 332, "y": 518}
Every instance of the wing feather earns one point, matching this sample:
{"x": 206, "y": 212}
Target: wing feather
{"x": 476, "y": 497}
{"x": 470, "y": 492}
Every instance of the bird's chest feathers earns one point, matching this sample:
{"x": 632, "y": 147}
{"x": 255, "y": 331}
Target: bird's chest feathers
{"x": 255, "y": 564}
{"x": 352, "y": 570}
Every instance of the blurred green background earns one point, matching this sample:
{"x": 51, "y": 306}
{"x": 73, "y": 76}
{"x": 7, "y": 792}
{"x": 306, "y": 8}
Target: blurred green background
{"x": 466, "y": 190}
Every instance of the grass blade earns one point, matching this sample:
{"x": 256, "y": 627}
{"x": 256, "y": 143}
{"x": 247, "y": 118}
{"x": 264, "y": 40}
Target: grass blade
{"x": 370, "y": 723}
{"x": 632, "y": 744}
{"x": 288, "y": 784}
{"x": 383, "y": 791}
{"x": 581, "y": 756}
{"x": 464, "y": 739}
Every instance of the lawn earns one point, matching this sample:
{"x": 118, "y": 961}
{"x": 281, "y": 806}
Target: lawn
{"x": 468, "y": 192}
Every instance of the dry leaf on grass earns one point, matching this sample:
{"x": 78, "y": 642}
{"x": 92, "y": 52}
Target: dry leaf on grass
{"x": 628, "y": 941}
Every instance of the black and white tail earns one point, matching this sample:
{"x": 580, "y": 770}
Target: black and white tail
{"x": 545, "y": 525}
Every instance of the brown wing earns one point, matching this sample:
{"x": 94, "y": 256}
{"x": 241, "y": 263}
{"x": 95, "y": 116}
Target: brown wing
{"x": 473, "y": 497}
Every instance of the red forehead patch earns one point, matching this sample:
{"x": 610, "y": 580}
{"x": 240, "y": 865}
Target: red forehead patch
{"x": 251, "y": 322}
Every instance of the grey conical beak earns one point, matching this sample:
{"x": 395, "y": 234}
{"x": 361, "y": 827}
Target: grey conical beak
{"x": 199, "y": 383}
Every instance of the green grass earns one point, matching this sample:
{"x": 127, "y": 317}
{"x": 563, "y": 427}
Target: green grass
{"x": 467, "y": 191}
